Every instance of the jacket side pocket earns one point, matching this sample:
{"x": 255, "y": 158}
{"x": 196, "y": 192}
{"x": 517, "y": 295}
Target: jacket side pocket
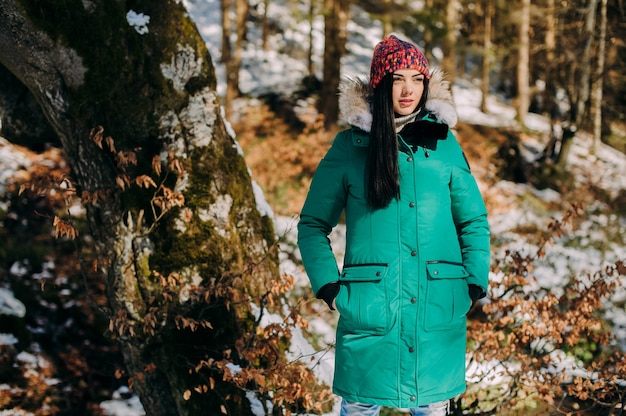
{"x": 362, "y": 301}
{"x": 447, "y": 297}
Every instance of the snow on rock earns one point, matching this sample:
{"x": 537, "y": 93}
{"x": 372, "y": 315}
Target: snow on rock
{"x": 7, "y": 339}
{"x": 123, "y": 407}
{"x": 10, "y": 305}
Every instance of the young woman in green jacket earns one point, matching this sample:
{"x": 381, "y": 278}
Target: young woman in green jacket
{"x": 417, "y": 238}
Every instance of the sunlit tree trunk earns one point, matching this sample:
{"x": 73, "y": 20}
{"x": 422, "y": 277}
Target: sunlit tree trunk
{"x": 227, "y": 29}
{"x": 233, "y": 65}
{"x": 450, "y": 41}
{"x": 597, "y": 119}
{"x": 551, "y": 106}
{"x": 336, "y": 17}
{"x": 584, "y": 77}
{"x": 428, "y": 34}
{"x": 583, "y": 81}
{"x": 523, "y": 63}
{"x": 311, "y": 51}
{"x": 265, "y": 25}
{"x": 487, "y": 53}
{"x": 168, "y": 197}
{"x": 387, "y": 18}
{"x": 227, "y": 53}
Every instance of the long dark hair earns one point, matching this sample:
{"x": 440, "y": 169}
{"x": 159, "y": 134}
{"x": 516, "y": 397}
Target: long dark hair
{"x": 383, "y": 181}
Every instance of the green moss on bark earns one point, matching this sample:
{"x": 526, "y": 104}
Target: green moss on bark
{"x": 124, "y": 89}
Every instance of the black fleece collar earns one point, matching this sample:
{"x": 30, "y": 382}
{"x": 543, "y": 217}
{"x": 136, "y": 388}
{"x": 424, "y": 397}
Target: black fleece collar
{"x": 425, "y": 133}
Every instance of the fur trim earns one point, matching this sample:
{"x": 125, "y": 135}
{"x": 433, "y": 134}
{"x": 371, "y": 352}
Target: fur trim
{"x": 440, "y": 101}
{"x": 355, "y": 93}
{"x": 354, "y": 102}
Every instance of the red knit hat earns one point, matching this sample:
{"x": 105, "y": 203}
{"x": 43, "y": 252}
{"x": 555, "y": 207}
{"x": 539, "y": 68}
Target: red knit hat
{"x": 392, "y": 54}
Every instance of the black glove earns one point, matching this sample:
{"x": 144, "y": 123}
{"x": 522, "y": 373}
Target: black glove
{"x": 328, "y": 293}
{"x": 475, "y": 292}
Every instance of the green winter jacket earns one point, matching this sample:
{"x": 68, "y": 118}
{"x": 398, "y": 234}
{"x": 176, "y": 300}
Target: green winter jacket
{"x": 403, "y": 294}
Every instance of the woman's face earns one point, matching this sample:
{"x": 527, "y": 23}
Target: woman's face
{"x": 408, "y": 87}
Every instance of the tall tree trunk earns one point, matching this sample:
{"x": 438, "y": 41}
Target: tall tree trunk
{"x": 428, "y": 34}
{"x": 551, "y": 106}
{"x": 266, "y": 25}
{"x": 449, "y": 45}
{"x": 227, "y": 53}
{"x": 336, "y": 17}
{"x": 233, "y": 65}
{"x": 584, "y": 77}
{"x": 597, "y": 119}
{"x": 484, "y": 88}
{"x": 583, "y": 84}
{"x": 311, "y": 51}
{"x": 227, "y": 29}
{"x": 386, "y": 17}
{"x": 523, "y": 63}
{"x": 182, "y": 247}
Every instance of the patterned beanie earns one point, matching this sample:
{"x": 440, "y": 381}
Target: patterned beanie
{"x": 392, "y": 54}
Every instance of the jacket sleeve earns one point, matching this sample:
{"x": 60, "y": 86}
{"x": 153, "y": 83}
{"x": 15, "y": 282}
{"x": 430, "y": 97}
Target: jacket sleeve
{"x": 470, "y": 217}
{"x": 320, "y": 214}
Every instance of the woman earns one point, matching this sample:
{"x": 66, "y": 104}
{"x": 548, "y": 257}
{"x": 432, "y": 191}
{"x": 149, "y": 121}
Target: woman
{"x": 417, "y": 239}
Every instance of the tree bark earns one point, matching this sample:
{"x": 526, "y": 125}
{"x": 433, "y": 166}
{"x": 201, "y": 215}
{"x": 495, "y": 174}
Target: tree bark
{"x": 233, "y": 64}
{"x": 486, "y": 64}
{"x": 550, "y": 72}
{"x": 523, "y": 63}
{"x": 311, "y": 49}
{"x": 387, "y": 18}
{"x": 597, "y": 116}
{"x": 265, "y": 22}
{"x": 428, "y": 37}
{"x": 449, "y": 47}
{"x": 173, "y": 253}
{"x": 336, "y": 16}
{"x": 584, "y": 79}
{"x": 227, "y": 29}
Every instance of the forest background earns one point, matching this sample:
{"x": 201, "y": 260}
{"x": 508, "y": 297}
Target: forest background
{"x": 541, "y": 343}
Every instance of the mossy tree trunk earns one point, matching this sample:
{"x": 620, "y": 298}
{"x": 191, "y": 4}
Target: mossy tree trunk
{"x": 178, "y": 274}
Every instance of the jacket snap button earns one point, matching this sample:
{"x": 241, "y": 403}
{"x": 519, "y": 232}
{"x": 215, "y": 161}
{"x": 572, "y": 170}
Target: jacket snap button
{"x": 411, "y": 349}
{"x": 413, "y": 253}
{"x": 436, "y": 272}
{"x": 409, "y": 159}
{"x": 377, "y": 273}
{"x": 412, "y": 204}
{"x": 358, "y": 140}
{"x": 412, "y": 398}
{"x": 413, "y": 300}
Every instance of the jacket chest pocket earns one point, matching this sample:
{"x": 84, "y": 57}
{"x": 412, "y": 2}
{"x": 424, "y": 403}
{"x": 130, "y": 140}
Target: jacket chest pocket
{"x": 447, "y": 297}
{"x": 362, "y": 301}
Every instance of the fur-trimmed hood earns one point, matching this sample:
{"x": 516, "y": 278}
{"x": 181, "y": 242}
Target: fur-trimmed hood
{"x": 354, "y": 101}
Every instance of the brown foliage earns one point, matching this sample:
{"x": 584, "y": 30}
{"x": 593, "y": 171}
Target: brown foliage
{"x": 282, "y": 161}
{"x": 258, "y": 363}
{"x": 542, "y": 347}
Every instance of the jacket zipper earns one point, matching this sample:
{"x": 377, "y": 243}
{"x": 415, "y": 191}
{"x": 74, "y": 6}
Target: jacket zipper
{"x": 444, "y": 262}
{"x": 365, "y": 264}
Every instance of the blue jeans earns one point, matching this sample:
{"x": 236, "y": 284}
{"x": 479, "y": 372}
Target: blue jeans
{"x": 360, "y": 409}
